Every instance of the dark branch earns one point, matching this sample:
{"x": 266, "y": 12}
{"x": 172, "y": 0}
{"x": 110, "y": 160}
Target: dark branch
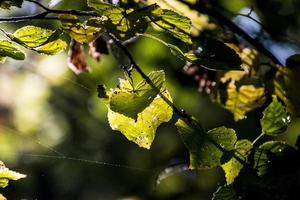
{"x": 43, "y": 15}
{"x": 210, "y": 11}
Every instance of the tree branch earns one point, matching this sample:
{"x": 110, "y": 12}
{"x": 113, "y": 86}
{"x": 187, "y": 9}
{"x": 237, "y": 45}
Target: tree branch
{"x": 43, "y": 15}
{"x": 210, "y": 11}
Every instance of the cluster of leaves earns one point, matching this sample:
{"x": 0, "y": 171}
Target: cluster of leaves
{"x": 137, "y": 110}
{"x": 6, "y": 175}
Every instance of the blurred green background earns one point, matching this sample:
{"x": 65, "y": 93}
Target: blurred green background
{"x": 54, "y": 128}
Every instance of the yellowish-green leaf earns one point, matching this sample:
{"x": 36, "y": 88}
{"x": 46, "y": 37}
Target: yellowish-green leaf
{"x": 82, "y": 33}
{"x": 8, "y": 49}
{"x": 39, "y": 39}
{"x": 206, "y": 149}
{"x": 6, "y": 175}
{"x": 142, "y": 130}
{"x": 52, "y": 48}
{"x": 129, "y": 100}
{"x": 233, "y": 167}
{"x": 275, "y": 119}
{"x": 177, "y": 25}
{"x": 243, "y": 99}
{"x": 31, "y": 36}
{"x": 124, "y": 24}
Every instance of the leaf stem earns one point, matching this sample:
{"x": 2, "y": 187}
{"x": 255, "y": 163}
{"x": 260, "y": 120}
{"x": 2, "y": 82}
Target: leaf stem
{"x": 258, "y": 137}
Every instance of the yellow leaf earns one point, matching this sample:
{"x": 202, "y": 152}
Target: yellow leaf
{"x": 244, "y": 99}
{"x": 142, "y": 130}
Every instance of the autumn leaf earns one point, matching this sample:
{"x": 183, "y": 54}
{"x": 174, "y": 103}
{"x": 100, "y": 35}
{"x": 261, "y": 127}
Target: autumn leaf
{"x": 76, "y": 60}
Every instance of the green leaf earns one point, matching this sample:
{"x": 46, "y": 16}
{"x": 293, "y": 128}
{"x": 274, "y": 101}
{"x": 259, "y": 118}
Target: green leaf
{"x": 129, "y": 100}
{"x": 6, "y": 175}
{"x": 243, "y": 99}
{"x": 261, "y": 160}
{"x": 31, "y": 36}
{"x": 39, "y": 39}
{"x": 233, "y": 167}
{"x": 218, "y": 56}
{"x": 275, "y": 119}
{"x": 176, "y": 51}
{"x": 82, "y": 33}
{"x": 52, "y": 48}
{"x": 142, "y": 130}
{"x": 8, "y": 49}
{"x": 123, "y": 24}
{"x": 6, "y": 4}
{"x": 206, "y": 149}
{"x": 177, "y": 25}
{"x": 225, "y": 193}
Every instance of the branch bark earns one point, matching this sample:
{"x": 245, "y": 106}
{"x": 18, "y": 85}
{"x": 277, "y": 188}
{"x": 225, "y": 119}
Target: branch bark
{"x": 210, "y": 11}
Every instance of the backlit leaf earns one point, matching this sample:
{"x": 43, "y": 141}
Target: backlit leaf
{"x": 129, "y": 100}
{"x": 52, "y": 48}
{"x": 39, "y": 39}
{"x": 123, "y": 24}
{"x": 142, "y": 130}
{"x": 82, "y": 33}
{"x": 233, "y": 167}
{"x": 177, "y": 25}
{"x": 275, "y": 119}
{"x": 8, "y": 49}
{"x": 32, "y": 36}
{"x": 6, "y": 175}
{"x": 243, "y": 99}
{"x": 206, "y": 149}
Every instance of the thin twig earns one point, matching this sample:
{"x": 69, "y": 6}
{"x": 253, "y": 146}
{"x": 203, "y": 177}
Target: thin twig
{"x": 43, "y": 15}
{"x": 210, "y": 11}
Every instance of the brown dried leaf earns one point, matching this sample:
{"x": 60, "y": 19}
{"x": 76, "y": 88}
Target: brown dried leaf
{"x": 98, "y": 47}
{"x": 76, "y": 60}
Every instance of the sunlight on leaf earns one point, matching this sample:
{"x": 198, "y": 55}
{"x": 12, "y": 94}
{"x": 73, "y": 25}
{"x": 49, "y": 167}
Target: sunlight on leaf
{"x": 6, "y": 175}
{"x": 129, "y": 100}
{"x": 8, "y": 49}
{"x": 206, "y": 149}
{"x": 142, "y": 130}
{"x": 32, "y": 36}
{"x": 52, "y": 48}
{"x": 80, "y": 32}
{"x": 233, "y": 167}
{"x": 39, "y": 39}
{"x": 275, "y": 119}
{"x": 243, "y": 99}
